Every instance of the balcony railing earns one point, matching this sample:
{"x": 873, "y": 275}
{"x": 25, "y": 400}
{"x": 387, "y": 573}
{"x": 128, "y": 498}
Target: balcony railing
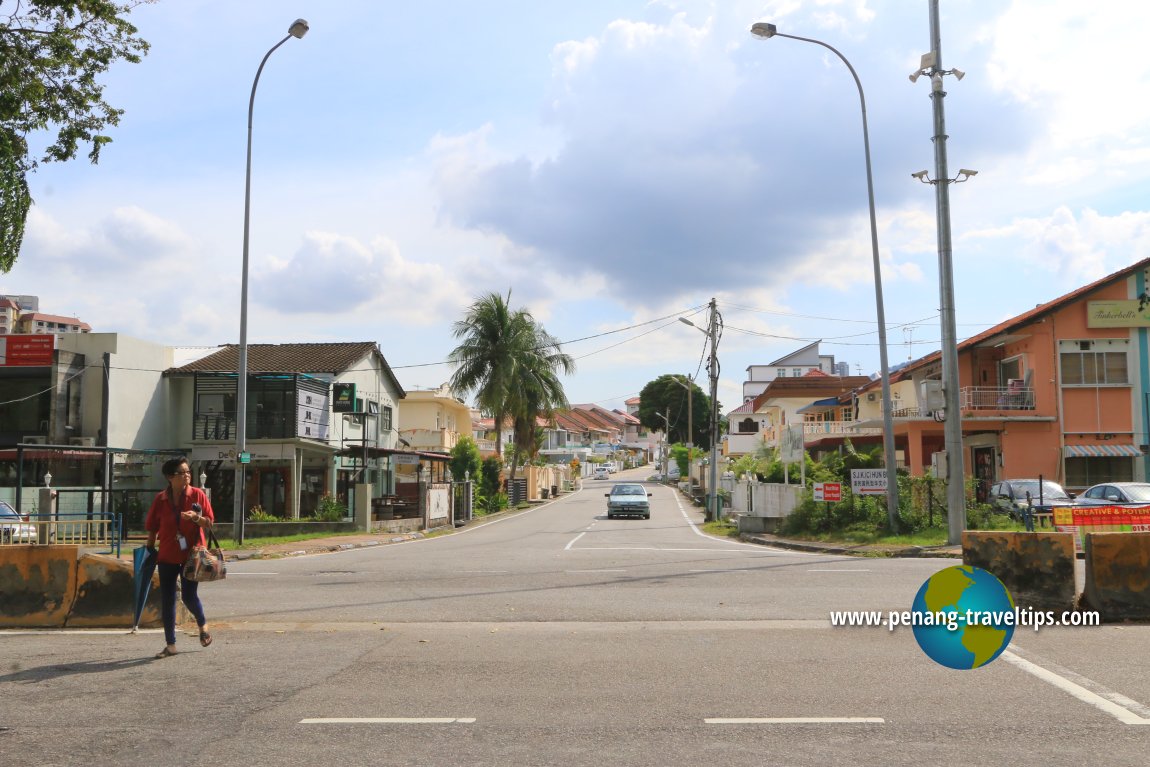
{"x": 430, "y": 439}
{"x": 996, "y": 398}
{"x": 222, "y": 426}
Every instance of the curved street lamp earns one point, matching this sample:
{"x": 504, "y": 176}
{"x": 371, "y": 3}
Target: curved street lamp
{"x": 297, "y": 30}
{"x": 765, "y": 31}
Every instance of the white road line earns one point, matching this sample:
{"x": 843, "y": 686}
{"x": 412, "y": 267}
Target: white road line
{"x": 835, "y": 570}
{"x": 657, "y": 548}
{"x": 484, "y": 572}
{"x": 391, "y": 720}
{"x": 1078, "y": 691}
{"x": 594, "y": 571}
{"x": 802, "y": 720}
{"x": 760, "y": 547}
{"x": 574, "y": 540}
{"x": 720, "y": 570}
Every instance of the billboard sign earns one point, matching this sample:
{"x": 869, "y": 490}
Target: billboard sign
{"x": 868, "y": 481}
{"x": 27, "y": 350}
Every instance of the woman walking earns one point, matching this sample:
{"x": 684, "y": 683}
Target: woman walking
{"x": 177, "y": 520}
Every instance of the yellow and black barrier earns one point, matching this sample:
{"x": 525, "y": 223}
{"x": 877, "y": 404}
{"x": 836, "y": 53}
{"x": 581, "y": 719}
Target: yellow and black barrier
{"x": 1118, "y": 575}
{"x": 1037, "y": 568}
{"x": 60, "y": 586}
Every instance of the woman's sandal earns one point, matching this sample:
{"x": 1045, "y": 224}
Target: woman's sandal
{"x": 205, "y": 638}
{"x": 167, "y": 652}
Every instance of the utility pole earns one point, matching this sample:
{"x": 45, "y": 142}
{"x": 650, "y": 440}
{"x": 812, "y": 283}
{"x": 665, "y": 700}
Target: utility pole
{"x": 713, "y": 512}
{"x": 952, "y": 434}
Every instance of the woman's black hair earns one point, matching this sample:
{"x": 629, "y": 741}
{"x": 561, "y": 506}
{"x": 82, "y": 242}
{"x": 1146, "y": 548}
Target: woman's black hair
{"x": 172, "y": 465}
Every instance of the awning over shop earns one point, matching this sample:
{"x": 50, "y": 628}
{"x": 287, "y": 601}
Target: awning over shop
{"x": 1101, "y": 451}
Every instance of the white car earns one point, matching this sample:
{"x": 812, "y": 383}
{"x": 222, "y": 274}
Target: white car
{"x": 601, "y": 472}
{"x": 610, "y": 467}
{"x": 13, "y": 528}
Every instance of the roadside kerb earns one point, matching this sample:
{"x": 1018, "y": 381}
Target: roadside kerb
{"x": 1036, "y": 568}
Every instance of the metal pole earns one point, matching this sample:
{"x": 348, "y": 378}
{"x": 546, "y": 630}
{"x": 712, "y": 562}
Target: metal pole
{"x": 242, "y": 367}
{"x": 768, "y": 30}
{"x": 952, "y": 435}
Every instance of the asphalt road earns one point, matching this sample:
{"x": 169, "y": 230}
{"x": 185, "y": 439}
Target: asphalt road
{"x": 558, "y": 637}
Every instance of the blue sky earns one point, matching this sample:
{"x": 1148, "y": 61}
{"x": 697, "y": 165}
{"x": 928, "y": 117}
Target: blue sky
{"x": 609, "y": 163}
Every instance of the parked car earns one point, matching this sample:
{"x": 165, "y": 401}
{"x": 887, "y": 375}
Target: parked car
{"x": 601, "y": 473}
{"x": 1014, "y": 496}
{"x": 611, "y": 467}
{"x": 628, "y": 499}
{"x": 1116, "y": 494}
{"x": 13, "y": 527}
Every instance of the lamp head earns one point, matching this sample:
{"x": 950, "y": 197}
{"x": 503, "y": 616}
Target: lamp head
{"x": 763, "y": 29}
{"x": 298, "y": 28}
{"x": 686, "y": 321}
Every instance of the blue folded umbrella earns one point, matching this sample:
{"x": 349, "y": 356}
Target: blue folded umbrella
{"x": 144, "y": 565}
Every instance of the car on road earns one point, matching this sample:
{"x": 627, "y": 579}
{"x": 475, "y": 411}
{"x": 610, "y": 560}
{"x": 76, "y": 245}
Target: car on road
{"x": 1116, "y": 494}
{"x": 13, "y": 527}
{"x": 601, "y": 473}
{"x": 1015, "y": 496}
{"x": 628, "y": 499}
{"x": 611, "y": 467}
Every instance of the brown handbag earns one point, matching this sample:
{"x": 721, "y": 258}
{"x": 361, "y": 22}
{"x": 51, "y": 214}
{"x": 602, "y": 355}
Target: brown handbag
{"x": 206, "y": 563}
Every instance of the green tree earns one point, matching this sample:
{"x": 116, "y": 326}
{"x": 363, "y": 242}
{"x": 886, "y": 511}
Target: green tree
{"x": 465, "y": 459}
{"x": 668, "y": 392}
{"x": 52, "y": 53}
{"x": 512, "y": 364}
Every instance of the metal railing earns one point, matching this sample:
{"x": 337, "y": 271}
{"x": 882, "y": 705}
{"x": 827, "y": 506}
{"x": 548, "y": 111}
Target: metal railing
{"x": 996, "y": 398}
{"x": 64, "y": 530}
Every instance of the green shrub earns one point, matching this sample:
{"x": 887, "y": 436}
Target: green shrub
{"x": 329, "y": 510}
{"x": 257, "y": 514}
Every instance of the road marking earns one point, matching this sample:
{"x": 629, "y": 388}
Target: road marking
{"x": 574, "y": 540}
{"x": 1115, "y": 710}
{"x": 391, "y": 720}
{"x": 836, "y": 570}
{"x": 764, "y": 549}
{"x": 721, "y": 570}
{"x": 594, "y": 571}
{"x": 801, "y": 720}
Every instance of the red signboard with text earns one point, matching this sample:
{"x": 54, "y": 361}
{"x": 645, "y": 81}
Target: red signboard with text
{"x": 27, "y": 350}
{"x": 1101, "y": 519}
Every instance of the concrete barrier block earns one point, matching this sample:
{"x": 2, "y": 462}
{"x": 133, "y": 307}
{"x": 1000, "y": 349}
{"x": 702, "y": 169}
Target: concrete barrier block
{"x": 1118, "y": 575}
{"x": 37, "y": 585}
{"x": 1037, "y": 568}
{"x": 105, "y": 598}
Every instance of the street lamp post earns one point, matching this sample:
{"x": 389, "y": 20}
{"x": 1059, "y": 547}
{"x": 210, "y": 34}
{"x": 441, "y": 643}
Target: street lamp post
{"x": 712, "y": 333}
{"x": 298, "y": 29}
{"x": 764, "y": 30}
{"x": 689, "y": 386}
{"x": 666, "y": 445}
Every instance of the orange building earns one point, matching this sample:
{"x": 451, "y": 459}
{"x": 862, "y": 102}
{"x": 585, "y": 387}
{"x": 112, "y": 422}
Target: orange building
{"x": 1061, "y": 391}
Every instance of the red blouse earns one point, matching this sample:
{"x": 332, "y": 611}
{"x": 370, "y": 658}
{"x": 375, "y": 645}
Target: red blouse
{"x": 165, "y": 521}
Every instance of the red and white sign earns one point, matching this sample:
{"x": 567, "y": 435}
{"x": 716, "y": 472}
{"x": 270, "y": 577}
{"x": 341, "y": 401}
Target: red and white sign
{"x": 832, "y": 492}
{"x": 27, "y": 350}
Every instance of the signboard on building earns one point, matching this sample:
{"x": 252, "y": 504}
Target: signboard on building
{"x": 27, "y": 350}
{"x": 868, "y": 481}
{"x": 311, "y": 415}
{"x": 831, "y": 492}
{"x": 343, "y": 397}
{"x": 1117, "y": 314}
{"x": 404, "y": 459}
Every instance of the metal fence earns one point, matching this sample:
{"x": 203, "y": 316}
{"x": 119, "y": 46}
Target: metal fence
{"x": 65, "y": 529}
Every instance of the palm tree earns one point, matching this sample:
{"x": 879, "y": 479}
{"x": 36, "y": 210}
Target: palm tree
{"x": 510, "y": 362}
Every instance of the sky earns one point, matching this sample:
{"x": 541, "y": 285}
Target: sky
{"x": 612, "y": 166}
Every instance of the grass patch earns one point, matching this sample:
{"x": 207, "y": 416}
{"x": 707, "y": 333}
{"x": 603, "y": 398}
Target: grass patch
{"x": 255, "y": 543}
{"x": 723, "y": 529}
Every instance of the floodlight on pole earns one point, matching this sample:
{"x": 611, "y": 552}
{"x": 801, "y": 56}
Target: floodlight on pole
{"x": 766, "y": 31}
{"x": 298, "y": 29}
{"x": 952, "y": 433}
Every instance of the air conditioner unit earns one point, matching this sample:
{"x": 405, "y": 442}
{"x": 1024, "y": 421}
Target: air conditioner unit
{"x": 82, "y": 441}
{"x": 871, "y": 396}
{"x": 38, "y": 440}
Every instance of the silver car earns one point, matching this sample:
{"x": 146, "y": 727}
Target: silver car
{"x": 1116, "y": 494}
{"x": 628, "y": 499}
{"x": 13, "y": 527}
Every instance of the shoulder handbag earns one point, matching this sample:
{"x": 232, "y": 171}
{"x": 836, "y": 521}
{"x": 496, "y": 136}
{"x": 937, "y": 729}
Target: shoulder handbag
{"x": 206, "y": 563}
